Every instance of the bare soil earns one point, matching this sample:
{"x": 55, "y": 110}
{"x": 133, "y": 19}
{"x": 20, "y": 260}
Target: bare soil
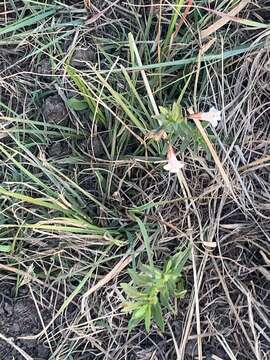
{"x": 19, "y": 318}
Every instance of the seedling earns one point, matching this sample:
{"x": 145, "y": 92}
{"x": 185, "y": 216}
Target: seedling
{"x": 153, "y": 290}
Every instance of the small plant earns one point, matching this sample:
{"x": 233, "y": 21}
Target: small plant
{"x": 174, "y": 124}
{"x": 154, "y": 289}
{"x": 173, "y": 121}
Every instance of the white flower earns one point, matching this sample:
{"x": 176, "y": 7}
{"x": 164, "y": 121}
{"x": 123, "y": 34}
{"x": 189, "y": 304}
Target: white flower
{"x": 173, "y": 164}
{"x": 213, "y": 116}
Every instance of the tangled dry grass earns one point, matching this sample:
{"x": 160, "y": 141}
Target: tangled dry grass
{"x": 63, "y": 171}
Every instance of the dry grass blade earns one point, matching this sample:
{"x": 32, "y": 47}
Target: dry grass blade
{"x": 215, "y": 156}
{"x": 120, "y": 266}
{"x": 81, "y": 189}
{"x": 187, "y": 194}
{"x": 146, "y": 82}
{"x": 23, "y": 274}
{"x": 17, "y": 348}
{"x": 183, "y": 18}
{"x": 87, "y": 3}
{"x": 233, "y": 309}
{"x": 221, "y": 22}
{"x": 190, "y": 311}
{"x": 252, "y": 165}
{"x": 95, "y": 17}
{"x": 252, "y": 325}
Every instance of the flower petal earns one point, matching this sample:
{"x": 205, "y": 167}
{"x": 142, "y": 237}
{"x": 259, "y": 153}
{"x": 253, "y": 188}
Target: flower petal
{"x": 167, "y": 167}
{"x": 213, "y": 109}
{"x": 173, "y": 164}
{"x": 213, "y": 122}
{"x": 173, "y": 168}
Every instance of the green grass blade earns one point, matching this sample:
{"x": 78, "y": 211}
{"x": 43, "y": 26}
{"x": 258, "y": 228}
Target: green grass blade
{"x": 27, "y": 21}
{"x": 146, "y": 241}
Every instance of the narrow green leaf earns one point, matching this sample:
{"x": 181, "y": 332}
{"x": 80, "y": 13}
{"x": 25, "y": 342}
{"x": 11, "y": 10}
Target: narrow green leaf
{"x": 171, "y": 287}
{"x": 122, "y": 102}
{"x": 168, "y": 265}
{"x": 47, "y": 203}
{"x": 149, "y": 270}
{"x": 135, "y": 92}
{"x": 253, "y": 23}
{"x": 77, "y": 105}
{"x": 176, "y": 64}
{"x": 164, "y": 297}
{"x": 133, "y": 323}
{"x": 130, "y": 306}
{"x": 180, "y": 259}
{"x": 180, "y": 294}
{"x": 147, "y": 318}
{"x": 171, "y": 28}
{"x": 131, "y": 291}
{"x": 27, "y": 21}
{"x": 146, "y": 241}
{"x": 157, "y": 315}
{"x": 87, "y": 92}
{"x": 140, "y": 313}
{"x": 139, "y": 279}
{"x": 5, "y": 248}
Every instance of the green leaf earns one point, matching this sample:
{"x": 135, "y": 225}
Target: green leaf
{"x": 27, "y": 21}
{"x": 147, "y": 319}
{"x": 180, "y": 259}
{"x": 164, "y": 297}
{"x": 168, "y": 266}
{"x": 146, "y": 241}
{"x": 88, "y": 94}
{"x": 133, "y": 323}
{"x": 140, "y": 313}
{"x": 148, "y": 270}
{"x": 180, "y": 290}
{"x": 157, "y": 315}
{"x": 5, "y": 248}
{"x": 252, "y": 23}
{"x": 131, "y": 306}
{"x": 131, "y": 291}
{"x": 180, "y": 294}
{"x": 137, "y": 317}
{"x": 77, "y": 105}
{"x": 139, "y": 279}
{"x": 171, "y": 287}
